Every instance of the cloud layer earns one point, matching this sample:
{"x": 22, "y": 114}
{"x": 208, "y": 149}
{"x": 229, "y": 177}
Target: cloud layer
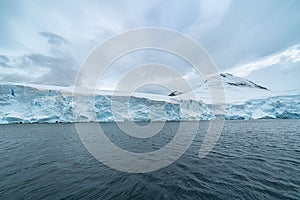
{"x": 45, "y": 43}
{"x": 286, "y": 57}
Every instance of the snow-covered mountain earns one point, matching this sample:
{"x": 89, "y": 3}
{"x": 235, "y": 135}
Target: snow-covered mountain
{"x": 244, "y": 100}
{"x": 236, "y": 89}
{"x": 231, "y": 80}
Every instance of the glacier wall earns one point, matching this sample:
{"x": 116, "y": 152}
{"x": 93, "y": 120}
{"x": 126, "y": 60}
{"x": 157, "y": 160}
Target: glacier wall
{"x": 23, "y": 104}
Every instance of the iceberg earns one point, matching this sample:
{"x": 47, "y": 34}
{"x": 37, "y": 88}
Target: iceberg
{"x": 27, "y": 104}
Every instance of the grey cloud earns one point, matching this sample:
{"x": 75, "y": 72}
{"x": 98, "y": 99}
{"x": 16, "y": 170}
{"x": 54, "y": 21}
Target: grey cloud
{"x": 4, "y": 61}
{"x": 48, "y": 61}
{"x": 16, "y": 77}
{"x": 54, "y": 39}
{"x": 253, "y": 29}
{"x": 134, "y": 59}
{"x": 56, "y": 68}
{"x": 62, "y": 70}
{"x": 248, "y": 30}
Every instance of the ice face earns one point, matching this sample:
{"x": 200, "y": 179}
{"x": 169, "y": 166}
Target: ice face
{"x": 279, "y": 107}
{"x": 30, "y": 105}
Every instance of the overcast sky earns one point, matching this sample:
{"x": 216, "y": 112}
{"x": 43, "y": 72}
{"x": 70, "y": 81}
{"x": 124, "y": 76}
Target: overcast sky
{"x": 44, "y": 42}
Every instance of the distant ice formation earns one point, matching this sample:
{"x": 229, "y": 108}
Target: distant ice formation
{"x": 245, "y": 100}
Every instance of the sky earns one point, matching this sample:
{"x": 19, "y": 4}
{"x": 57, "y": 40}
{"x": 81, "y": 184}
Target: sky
{"x": 45, "y": 42}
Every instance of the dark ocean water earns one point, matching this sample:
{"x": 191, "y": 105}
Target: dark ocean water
{"x": 252, "y": 160}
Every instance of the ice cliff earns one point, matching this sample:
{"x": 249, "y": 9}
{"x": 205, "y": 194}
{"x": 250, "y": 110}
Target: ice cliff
{"x": 25, "y": 104}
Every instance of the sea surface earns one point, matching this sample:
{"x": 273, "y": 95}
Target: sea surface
{"x": 257, "y": 159}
